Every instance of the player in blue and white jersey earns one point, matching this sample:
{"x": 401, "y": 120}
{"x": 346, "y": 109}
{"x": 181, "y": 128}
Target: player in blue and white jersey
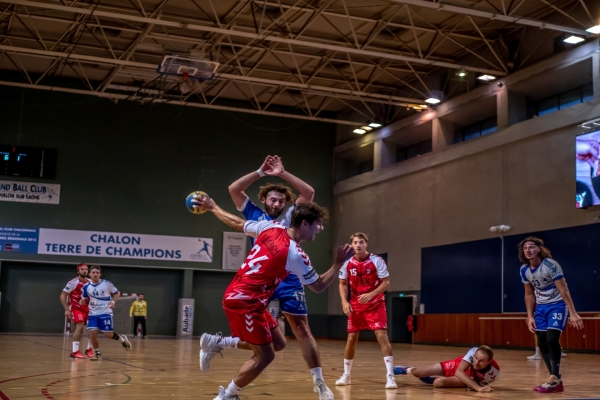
{"x": 549, "y": 305}
{"x": 101, "y": 295}
{"x": 279, "y": 202}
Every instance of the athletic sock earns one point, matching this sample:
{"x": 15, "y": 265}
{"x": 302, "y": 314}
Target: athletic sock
{"x": 75, "y": 347}
{"x": 232, "y": 389}
{"x": 116, "y": 336}
{"x": 537, "y": 351}
{"x": 347, "y": 366}
{"x": 389, "y": 364}
{"x": 229, "y": 342}
{"x": 89, "y": 345}
{"x": 317, "y": 373}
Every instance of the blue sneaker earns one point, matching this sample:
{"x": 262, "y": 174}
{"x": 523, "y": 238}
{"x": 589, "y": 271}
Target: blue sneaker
{"x": 400, "y": 370}
{"x": 428, "y": 380}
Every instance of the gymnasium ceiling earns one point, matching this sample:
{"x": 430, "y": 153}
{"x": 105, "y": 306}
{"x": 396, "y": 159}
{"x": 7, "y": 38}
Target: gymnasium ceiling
{"x": 342, "y": 60}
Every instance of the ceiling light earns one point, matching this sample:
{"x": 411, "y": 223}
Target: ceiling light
{"x": 573, "y": 39}
{"x": 486, "y": 78}
{"x": 374, "y": 125}
{"x": 462, "y": 73}
{"x": 366, "y": 128}
{"x": 594, "y": 29}
{"x": 359, "y": 131}
{"x": 432, "y": 100}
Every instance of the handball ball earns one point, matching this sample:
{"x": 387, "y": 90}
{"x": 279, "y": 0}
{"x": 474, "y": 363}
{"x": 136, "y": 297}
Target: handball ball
{"x": 193, "y": 208}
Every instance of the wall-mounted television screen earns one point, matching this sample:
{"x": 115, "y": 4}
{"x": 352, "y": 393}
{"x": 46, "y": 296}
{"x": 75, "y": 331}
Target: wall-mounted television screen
{"x": 587, "y": 170}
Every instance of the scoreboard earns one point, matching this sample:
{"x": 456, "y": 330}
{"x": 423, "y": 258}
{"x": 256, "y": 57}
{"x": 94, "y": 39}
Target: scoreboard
{"x": 29, "y": 162}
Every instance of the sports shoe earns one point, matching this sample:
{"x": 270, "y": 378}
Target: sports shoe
{"x": 391, "y": 382}
{"x": 534, "y": 357}
{"x": 553, "y": 384}
{"x": 400, "y": 370}
{"x": 322, "y": 390}
{"x": 224, "y": 396}
{"x": 209, "y": 347}
{"x": 89, "y": 352}
{"x": 344, "y": 380}
{"x": 97, "y": 356}
{"x": 125, "y": 342}
{"x": 77, "y": 354}
{"x": 563, "y": 354}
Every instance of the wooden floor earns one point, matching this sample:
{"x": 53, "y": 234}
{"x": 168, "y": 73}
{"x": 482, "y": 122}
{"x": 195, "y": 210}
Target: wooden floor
{"x": 39, "y": 367}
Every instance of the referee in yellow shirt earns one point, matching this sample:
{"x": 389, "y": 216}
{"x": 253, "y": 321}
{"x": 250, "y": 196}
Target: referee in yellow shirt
{"x": 139, "y": 311}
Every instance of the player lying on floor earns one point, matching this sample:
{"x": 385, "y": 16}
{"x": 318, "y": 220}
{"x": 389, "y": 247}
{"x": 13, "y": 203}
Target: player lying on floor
{"x": 476, "y": 370}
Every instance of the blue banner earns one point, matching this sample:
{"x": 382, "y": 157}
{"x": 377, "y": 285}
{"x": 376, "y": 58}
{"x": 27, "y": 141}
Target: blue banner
{"x": 19, "y": 240}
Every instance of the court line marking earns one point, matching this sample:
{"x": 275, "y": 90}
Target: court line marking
{"x": 45, "y": 390}
{"x": 67, "y": 350}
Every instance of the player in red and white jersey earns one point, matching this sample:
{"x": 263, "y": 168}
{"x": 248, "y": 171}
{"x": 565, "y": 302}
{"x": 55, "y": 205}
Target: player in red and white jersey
{"x": 476, "y": 370}
{"x": 363, "y": 279}
{"x": 275, "y": 255}
{"x": 74, "y": 310}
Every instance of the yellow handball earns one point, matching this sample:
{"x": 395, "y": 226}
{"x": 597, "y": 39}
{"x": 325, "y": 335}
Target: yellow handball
{"x": 193, "y": 208}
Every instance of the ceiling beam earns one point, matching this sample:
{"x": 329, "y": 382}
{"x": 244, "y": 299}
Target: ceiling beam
{"x": 331, "y": 91}
{"x": 117, "y": 96}
{"x": 492, "y": 16}
{"x": 254, "y": 36}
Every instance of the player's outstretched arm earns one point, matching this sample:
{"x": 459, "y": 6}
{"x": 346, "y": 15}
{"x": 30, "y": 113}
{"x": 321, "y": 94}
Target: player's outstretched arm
{"x": 229, "y": 219}
{"x": 462, "y": 375}
{"x": 574, "y": 318}
{"x": 343, "y": 254}
{"x": 530, "y": 305}
{"x": 237, "y": 188}
{"x": 307, "y": 193}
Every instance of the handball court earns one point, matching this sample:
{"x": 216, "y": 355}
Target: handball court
{"x": 39, "y": 367}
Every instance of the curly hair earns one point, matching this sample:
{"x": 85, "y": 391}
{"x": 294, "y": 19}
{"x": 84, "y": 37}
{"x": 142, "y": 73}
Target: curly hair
{"x": 290, "y": 197}
{"x": 309, "y": 212}
{"x": 544, "y": 251}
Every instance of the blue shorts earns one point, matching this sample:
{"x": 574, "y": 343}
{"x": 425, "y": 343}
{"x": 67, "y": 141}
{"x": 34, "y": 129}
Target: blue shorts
{"x": 103, "y": 323}
{"x": 290, "y": 294}
{"x": 551, "y": 316}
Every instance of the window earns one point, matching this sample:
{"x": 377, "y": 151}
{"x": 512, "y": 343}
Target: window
{"x": 562, "y": 100}
{"x": 475, "y": 130}
{"x": 412, "y": 151}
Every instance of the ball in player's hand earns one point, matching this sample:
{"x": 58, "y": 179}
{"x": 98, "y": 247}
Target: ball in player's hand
{"x": 194, "y": 208}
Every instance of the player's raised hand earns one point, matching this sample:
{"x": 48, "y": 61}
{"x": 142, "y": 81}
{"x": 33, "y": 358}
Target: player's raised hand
{"x": 205, "y": 203}
{"x": 575, "y": 321}
{"x": 276, "y": 164}
{"x": 266, "y": 165}
{"x": 531, "y": 324}
{"x": 343, "y": 253}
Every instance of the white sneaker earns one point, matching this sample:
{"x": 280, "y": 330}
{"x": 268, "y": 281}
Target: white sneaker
{"x": 534, "y": 357}
{"x": 391, "y": 382}
{"x": 224, "y": 396}
{"x": 323, "y": 391}
{"x": 125, "y": 342}
{"x": 563, "y": 354}
{"x": 344, "y": 380}
{"x": 209, "y": 347}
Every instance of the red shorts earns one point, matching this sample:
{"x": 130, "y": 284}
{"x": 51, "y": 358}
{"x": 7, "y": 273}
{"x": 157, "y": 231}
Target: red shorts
{"x": 252, "y": 328}
{"x": 368, "y": 320}
{"x": 79, "y": 316}
{"x": 449, "y": 367}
